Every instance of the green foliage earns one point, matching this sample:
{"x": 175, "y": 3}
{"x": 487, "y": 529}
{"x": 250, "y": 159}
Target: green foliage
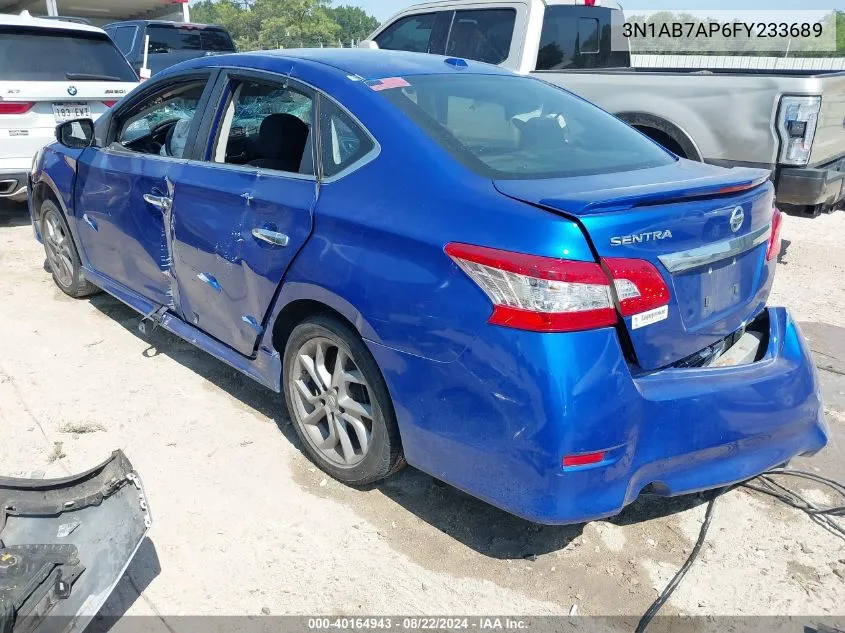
{"x": 355, "y": 23}
{"x": 257, "y": 24}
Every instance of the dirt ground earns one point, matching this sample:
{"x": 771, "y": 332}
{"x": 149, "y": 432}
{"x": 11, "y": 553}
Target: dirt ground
{"x": 244, "y": 524}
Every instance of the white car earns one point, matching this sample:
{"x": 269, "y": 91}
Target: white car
{"x": 51, "y": 71}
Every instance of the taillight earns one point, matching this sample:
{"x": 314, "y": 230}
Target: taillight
{"x": 639, "y": 285}
{"x": 109, "y": 104}
{"x": 773, "y": 249}
{"x": 15, "y": 107}
{"x": 542, "y": 294}
{"x": 546, "y": 294}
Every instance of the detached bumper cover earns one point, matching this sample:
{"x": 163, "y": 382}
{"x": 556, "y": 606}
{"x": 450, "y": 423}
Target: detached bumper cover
{"x": 497, "y": 422}
{"x": 812, "y": 185}
{"x": 65, "y": 543}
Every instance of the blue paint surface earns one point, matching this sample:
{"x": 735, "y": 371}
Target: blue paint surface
{"x": 488, "y": 409}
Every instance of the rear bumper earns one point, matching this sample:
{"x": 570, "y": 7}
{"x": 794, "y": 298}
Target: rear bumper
{"x": 13, "y": 184}
{"x": 497, "y": 422}
{"x": 809, "y": 186}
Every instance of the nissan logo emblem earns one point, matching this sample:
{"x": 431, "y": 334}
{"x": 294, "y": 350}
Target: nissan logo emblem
{"x": 737, "y": 217}
{"x": 71, "y": 90}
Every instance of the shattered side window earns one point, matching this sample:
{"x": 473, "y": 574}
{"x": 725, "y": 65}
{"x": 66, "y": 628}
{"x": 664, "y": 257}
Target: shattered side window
{"x": 151, "y": 127}
{"x": 267, "y": 125}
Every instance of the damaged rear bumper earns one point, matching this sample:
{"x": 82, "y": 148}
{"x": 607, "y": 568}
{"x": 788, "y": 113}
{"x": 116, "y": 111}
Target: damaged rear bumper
{"x": 65, "y": 543}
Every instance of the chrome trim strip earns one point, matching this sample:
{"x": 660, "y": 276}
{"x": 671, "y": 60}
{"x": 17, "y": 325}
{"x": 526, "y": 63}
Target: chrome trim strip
{"x": 709, "y": 253}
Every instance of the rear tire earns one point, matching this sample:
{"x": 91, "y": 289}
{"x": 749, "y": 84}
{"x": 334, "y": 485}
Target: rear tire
{"x": 62, "y": 256}
{"x": 339, "y": 404}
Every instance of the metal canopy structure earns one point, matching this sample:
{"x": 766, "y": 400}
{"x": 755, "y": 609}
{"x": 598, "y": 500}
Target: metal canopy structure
{"x": 101, "y": 12}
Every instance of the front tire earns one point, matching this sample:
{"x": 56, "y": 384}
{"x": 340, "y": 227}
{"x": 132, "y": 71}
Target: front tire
{"x": 62, "y": 256}
{"x": 339, "y": 404}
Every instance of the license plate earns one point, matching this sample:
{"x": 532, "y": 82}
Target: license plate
{"x": 71, "y": 111}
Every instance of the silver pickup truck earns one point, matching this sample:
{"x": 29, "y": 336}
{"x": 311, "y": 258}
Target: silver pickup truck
{"x": 790, "y": 122}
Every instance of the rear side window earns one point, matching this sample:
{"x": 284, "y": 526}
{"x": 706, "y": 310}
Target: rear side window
{"x": 511, "y": 127}
{"x": 166, "y": 39}
{"x": 484, "y": 35}
{"x": 343, "y": 141}
{"x": 124, "y": 37}
{"x": 578, "y": 37}
{"x": 36, "y": 54}
{"x": 411, "y": 33}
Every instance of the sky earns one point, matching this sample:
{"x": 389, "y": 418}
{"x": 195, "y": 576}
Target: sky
{"x": 383, "y": 9}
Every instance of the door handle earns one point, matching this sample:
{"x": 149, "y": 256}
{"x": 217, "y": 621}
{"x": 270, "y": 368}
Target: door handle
{"x": 159, "y": 202}
{"x": 271, "y": 237}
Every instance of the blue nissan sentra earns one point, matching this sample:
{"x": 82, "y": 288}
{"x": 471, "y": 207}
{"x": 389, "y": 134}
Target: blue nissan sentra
{"x": 442, "y": 263}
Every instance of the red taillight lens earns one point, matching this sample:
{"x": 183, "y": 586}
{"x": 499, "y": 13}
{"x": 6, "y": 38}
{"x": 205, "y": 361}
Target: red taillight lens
{"x": 15, "y": 107}
{"x": 546, "y": 294}
{"x": 774, "y": 239}
{"x": 541, "y": 294}
{"x": 639, "y": 285}
{"x": 109, "y": 104}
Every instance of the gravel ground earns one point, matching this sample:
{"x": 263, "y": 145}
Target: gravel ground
{"x": 243, "y": 524}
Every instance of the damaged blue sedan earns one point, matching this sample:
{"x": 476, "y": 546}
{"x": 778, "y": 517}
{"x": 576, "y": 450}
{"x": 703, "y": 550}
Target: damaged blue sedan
{"x": 442, "y": 263}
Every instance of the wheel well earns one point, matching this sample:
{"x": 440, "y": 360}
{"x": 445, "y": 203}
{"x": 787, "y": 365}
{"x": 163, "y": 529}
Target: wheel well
{"x": 295, "y": 313}
{"x": 664, "y": 139}
{"x": 40, "y": 193}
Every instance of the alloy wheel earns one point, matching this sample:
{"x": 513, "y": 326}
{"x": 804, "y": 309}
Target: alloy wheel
{"x": 331, "y": 402}
{"x": 58, "y": 247}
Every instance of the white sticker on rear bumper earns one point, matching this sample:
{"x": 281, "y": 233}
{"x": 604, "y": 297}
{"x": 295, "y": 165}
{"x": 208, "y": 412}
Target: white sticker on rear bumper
{"x": 647, "y": 318}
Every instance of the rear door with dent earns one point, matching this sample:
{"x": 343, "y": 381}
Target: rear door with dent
{"x": 243, "y": 212}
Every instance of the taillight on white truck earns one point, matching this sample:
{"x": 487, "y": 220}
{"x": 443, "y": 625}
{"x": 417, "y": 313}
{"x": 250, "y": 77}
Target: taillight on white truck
{"x": 546, "y": 294}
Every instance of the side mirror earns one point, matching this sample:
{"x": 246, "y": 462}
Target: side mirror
{"x": 77, "y": 134}
{"x": 370, "y": 44}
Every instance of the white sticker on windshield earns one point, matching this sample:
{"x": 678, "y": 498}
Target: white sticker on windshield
{"x": 647, "y": 318}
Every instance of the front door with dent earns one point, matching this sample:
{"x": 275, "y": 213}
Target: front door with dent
{"x": 241, "y": 216}
{"x": 124, "y": 190}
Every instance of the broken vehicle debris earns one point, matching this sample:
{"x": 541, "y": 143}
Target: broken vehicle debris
{"x": 65, "y": 543}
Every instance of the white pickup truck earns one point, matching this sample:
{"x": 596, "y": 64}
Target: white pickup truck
{"x": 790, "y": 122}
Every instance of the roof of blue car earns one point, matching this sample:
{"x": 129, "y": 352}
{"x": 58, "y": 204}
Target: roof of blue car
{"x": 366, "y": 63}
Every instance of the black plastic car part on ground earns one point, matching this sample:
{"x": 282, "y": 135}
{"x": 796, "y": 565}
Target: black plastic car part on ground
{"x": 64, "y": 544}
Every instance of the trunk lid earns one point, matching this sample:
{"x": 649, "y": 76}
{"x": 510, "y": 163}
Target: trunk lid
{"x": 704, "y": 228}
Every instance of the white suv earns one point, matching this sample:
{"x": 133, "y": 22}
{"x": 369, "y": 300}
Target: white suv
{"x": 51, "y": 71}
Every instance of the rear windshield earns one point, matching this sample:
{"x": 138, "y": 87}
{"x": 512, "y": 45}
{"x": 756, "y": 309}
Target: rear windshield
{"x": 35, "y": 54}
{"x": 165, "y": 39}
{"x": 510, "y": 127}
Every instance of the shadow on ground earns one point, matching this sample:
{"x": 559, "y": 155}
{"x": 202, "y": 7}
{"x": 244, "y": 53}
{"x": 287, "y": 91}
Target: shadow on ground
{"x": 139, "y": 575}
{"x": 13, "y": 214}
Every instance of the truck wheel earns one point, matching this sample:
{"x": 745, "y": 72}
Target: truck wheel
{"x": 339, "y": 404}
{"x": 61, "y": 252}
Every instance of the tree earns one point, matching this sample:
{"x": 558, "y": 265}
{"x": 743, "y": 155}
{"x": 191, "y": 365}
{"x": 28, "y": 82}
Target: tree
{"x": 256, "y": 24}
{"x": 355, "y": 23}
